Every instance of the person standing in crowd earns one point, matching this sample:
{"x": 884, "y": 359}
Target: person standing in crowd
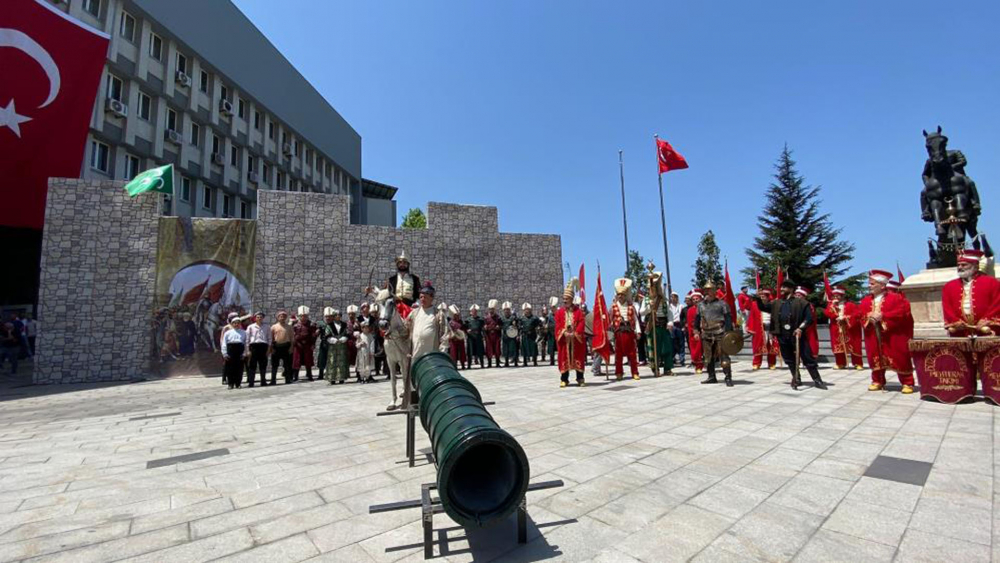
{"x": 662, "y": 357}
{"x": 456, "y": 337}
{"x": 743, "y": 301}
{"x": 625, "y": 324}
{"x": 529, "y": 335}
{"x": 30, "y": 332}
{"x": 259, "y": 343}
{"x": 366, "y": 359}
{"x": 509, "y": 329}
{"x": 352, "y": 327}
{"x": 570, "y": 341}
{"x": 475, "y": 349}
{"x": 762, "y": 341}
{"x": 492, "y": 326}
{"x": 305, "y": 344}
{"x": 282, "y": 338}
{"x": 812, "y": 334}
{"x": 714, "y": 320}
{"x": 10, "y": 346}
{"x": 695, "y": 344}
{"x": 845, "y": 331}
{"x": 335, "y": 334}
{"x": 234, "y": 351}
{"x": 791, "y": 317}
{"x": 543, "y": 328}
{"x": 550, "y": 334}
{"x": 378, "y": 337}
{"x": 676, "y": 332}
{"x": 425, "y": 325}
{"x": 971, "y": 302}
{"x": 641, "y": 342}
{"x": 883, "y": 317}
{"x": 323, "y": 355}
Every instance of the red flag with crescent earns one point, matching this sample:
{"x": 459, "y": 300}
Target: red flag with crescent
{"x": 194, "y": 294}
{"x": 668, "y": 157}
{"x": 216, "y": 290}
{"x": 51, "y": 65}
{"x": 600, "y": 344}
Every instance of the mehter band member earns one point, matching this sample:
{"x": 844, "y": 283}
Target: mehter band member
{"x": 509, "y": 334}
{"x": 714, "y": 320}
{"x": 845, "y": 330}
{"x": 492, "y": 327}
{"x": 695, "y": 344}
{"x": 883, "y": 317}
{"x": 306, "y": 332}
{"x": 971, "y": 303}
{"x": 529, "y": 324}
{"x": 763, "y": 341}
{"x": 570, "y": 342}
{"x": 475, "y": 348}
{"x": 625, "y": 324}
{"x": 791, "y": 316}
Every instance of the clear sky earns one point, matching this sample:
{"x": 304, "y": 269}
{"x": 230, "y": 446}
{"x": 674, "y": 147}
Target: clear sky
{"x": 524, "y": 104}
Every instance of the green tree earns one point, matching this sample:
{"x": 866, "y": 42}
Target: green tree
{"x": 796, "y": 235}
{"x": 637, "y": 271}
{"x": 415, "y": 219}
{"x": 707, "y": 266}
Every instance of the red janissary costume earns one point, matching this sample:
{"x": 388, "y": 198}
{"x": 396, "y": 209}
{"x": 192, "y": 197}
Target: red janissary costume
{"x": 761, "y": 342}
{"x": 625, "y": 324}
{"x": 694, "y": 335}
{"x": 972, "y": 306}
{"x": 743, "y": 301}
{"x": 845, "y": 330}
{"x": 812, "y": 335}
{"x": 896, "y": 327}
{"x": 570, "y": 340}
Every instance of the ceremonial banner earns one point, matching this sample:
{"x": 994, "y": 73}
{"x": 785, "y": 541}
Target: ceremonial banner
{"x": 204, "y": 271}
{"x": 154, "y": 180}
{"x": 731, "y": 297}
{"x": 51, "y": 65}
{"x": 600, "y": 344}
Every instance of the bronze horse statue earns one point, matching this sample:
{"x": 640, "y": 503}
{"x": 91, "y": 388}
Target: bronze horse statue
{"x": 950, "y": 200}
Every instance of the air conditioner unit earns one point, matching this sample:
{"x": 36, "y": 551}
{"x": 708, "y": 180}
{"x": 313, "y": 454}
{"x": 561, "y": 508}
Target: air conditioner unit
{"x": 226, "y": 107}
{"x": 182, "y": 78}
{"x": 253, "y": 177}
{"x": 116, "y": 107}
{"x": 172, "y": 136}
{"x": 286, "y": 148}
{"x": 217, "y": 159}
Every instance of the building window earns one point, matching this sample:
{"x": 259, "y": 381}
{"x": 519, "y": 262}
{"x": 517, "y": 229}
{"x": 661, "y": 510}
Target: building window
{"x": 295, "y": 147}
{"x": 328, "y": 169}
{"x": 234, "y": 155}
{"x": 203, "y": 85}
{"x": 115, "y": 87}
{"x": 131, "y": 167}
{"x": 99, "y": 156}
{"x": 225, "y": 93}
{"x": 185, "y": 189}
{"x": 309, "y": 157}
{"x": 270, "y": 130}
{"x": 251, "y": 163}
{"x": 294, "y": 186}
{"x": 284, "y": 137}
{"x": 216, "y": 143}
{"x": 182, "y": 63}
{"x": 256, "y": 120}
{"x": 241, "y": 108}
{"x": 280, "y": 182}
{"x": 145, "y": 106}
{"x": 244, "y": 210}
{"x": 195, "y": 134}
{"x": 227, "y": 205}
{"x": 155, "y": 46}
{"x": 126, "y": 28}
{"x": 92, "y": 7}
{"x": 266, "y": 175}
{"x": 171, "y": 120}
{"x": 206, "y": 197}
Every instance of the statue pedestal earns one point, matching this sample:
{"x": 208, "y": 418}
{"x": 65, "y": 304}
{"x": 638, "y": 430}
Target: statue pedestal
{"x": 924, "y": 292}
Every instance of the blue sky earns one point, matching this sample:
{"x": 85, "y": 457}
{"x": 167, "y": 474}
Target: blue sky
{"x": 524, "y": 104}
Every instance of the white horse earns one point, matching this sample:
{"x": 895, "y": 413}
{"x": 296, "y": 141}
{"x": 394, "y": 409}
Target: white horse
{"x": 397, "y": 345}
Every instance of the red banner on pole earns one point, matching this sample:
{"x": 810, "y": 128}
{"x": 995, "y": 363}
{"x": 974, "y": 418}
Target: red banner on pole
{"x": 600, "y": 344}
{"x": 730, "y": 296}
{"x": 51, "y": 66}
{"x": 668, "y": 157}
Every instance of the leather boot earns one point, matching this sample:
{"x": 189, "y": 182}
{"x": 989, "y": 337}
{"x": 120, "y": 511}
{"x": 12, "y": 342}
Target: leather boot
{"x": 729, "y": 380}
{"x": 711, "y": 376}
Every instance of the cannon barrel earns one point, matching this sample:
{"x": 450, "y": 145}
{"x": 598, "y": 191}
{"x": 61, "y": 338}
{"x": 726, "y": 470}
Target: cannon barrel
{"x": 482, "y": 472}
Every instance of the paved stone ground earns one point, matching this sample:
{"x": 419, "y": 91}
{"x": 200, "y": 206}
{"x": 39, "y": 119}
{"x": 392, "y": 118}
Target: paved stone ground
{"x": 660, "y": 470}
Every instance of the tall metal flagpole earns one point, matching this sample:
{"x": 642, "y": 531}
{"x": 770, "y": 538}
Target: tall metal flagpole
{"x": 621, "y": 172}
{"x": 663, "y": 217}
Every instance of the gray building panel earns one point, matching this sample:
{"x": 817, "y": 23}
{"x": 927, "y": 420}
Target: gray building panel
{"x": 227, "y": 40}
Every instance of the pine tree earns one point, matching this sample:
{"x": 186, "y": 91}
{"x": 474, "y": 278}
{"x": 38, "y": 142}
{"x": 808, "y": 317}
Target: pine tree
{"x": 796, "y": 235}
{"x": 415, "y": 219}
{"x": 707, "y": 266}
{"x": 637, "y": 271}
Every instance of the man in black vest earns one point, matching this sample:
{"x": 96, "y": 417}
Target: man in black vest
{"x": 790, "y": 316}
{"x": 404, "y": 286}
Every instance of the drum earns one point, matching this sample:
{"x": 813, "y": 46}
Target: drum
{"x": 946, "y": 368}
{"x": 511, "y": 331}
{"x": 988, "y": 363}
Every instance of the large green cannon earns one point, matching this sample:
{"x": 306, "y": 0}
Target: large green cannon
{"x": 482, "y": 472}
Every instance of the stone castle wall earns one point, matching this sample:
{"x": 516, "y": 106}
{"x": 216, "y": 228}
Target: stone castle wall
{"x": 98, "y": 268}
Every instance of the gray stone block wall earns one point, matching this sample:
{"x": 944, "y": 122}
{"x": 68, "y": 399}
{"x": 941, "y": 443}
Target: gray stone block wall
{"x": 308, "y": 253}
{"x": 96, "y": 285}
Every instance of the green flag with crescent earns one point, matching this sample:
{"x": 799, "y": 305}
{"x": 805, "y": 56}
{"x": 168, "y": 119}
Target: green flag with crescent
{"x": 153, "y": 180}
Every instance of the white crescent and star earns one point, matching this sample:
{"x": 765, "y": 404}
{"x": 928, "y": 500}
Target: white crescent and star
{"x": 19, "y": 40}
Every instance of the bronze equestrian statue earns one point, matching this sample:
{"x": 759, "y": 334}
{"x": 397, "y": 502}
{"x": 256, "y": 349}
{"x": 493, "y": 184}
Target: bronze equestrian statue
{"x": 951, "y": 201}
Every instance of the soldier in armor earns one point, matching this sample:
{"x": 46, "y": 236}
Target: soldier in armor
{"x": 714, "y": 320}
{"x": 529, "y": 324}
{"x": 509, "y": 343}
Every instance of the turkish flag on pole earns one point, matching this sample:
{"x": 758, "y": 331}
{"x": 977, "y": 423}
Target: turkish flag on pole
{"x": 827, "y": 290}
{"x": 668, "y": 157}
{"x": 51, "y": 65}
{"x": 780, "y": 280}
{"x": 730, "y": 296}
{"x": 899, "y": 274}
{"x": 583, "y": 290}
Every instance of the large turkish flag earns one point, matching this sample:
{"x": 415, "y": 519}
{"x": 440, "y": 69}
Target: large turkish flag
{"x": 50, "y": 70}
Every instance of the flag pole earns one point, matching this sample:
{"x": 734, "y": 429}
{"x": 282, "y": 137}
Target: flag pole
{"x": 663, "y": 217}
{"x": 621, "y": 173}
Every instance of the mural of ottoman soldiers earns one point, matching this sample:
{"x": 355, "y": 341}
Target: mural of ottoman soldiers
{"x": 509, "y": 330}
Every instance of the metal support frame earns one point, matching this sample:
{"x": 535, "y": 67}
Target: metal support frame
{"x": 429, "y": 506}
{"x": 412, "y": 412}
